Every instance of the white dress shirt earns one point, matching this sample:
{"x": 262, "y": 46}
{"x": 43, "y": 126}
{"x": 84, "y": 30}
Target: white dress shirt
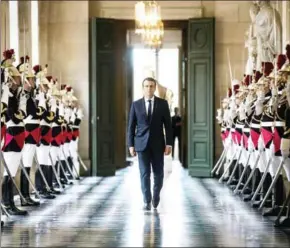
{"x": 147, "y": 104}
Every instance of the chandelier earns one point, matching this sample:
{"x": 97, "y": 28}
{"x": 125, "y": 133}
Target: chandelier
{"x": 148, "y": 23}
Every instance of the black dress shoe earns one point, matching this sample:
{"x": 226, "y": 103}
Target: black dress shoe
{"x": 45, "y": 195}
{"x": 13, "y": 210}
{"x": 29, "y": 202}
{"x": 147, "y": 206}
{"x": 155, "y": 203}
{"x": 55, "y": 192}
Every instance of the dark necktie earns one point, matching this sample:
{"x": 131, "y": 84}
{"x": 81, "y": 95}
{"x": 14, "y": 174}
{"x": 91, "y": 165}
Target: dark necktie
{"x": 149, "y": 110}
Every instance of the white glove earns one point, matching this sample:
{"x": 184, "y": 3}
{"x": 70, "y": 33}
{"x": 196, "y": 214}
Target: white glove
{"x": 272, "y": 149}
{"x": 72, "y": 117}
{"x": 37, "y": 82}
{"x": 285, "y": 148}
{"x": 219, "y": 116}
{"x": 226, "y": 115}
{"x": 260, "y": 95}
{"x": 80, "y": 113}
{"x": 67, "y": 114}
{"x": 53, "y": 105}
{"x": 41, "y": 99}
{"x": 251, "y": 147}
{"x": 260, "y": 144}
{"x": 259, "y": 107}
{"x": 5, "y": 94}
{"x": 22, "y": 102}
{"x": 228, "y": 142}
{"x": 61, "y": 109}
{"x": 242, "y": 111}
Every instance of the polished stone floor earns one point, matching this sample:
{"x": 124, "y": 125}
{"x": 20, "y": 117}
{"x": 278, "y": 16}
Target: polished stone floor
{"x": 107, "y": 212}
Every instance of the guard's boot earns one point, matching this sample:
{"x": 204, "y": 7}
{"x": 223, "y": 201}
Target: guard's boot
{"x": 24, "y": 187}
{"x": 12, "y": 209}
{"x": 50, "y": 179}
{"x": 2, "y": 223}
{"x": 71, "y": 164}
{"x": 5, "y": 192}
{"x": 62, "y": 171}
{"x": 40, "y": 185}
{"x": 58, "y": 171}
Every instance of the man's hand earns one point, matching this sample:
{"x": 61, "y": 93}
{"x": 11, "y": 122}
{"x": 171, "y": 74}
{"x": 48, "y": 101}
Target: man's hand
{"x": 167, "y": 150}
{"x": 132, "y": 151}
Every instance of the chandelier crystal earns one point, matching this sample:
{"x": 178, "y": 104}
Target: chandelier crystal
{"x": 149, "y": 24}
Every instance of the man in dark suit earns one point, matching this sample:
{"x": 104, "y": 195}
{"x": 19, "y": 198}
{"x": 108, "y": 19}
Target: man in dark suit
{"x": 147, "y": 118}
{"x": 176, "y": 127}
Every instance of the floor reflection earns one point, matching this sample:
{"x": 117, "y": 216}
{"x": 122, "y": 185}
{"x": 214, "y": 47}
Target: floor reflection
{"x": 107, "y": 212}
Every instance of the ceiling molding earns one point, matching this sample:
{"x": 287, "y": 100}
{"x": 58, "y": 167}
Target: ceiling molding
{"x": 168, "y": 13}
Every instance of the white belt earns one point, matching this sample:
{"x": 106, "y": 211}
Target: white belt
{"x": 279, "y": 123}
{"x": 44, "y": 124}
{"x": 246, "y": 130}
{"x": 10, "y": 123}
{"x": 267, "y": 124}
{"x": 79, "y": 126}
{"x": 239, "y": 125}
{"x": 233, "y": 130}
{"x": 55, "y": 125}
{"x": 31, "y": 121}
{"x": 255, "y": 125}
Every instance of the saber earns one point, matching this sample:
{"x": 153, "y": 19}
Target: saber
{"x": 223, "y": 161}
{"x": 28, "y": 178}
{"x": 235, "y": 168}
{"x": 63, "y": 171}
{"x": 4, "y": 210}
{"x": 243, "y": 173}
{"x": 42, "y": 174}
{"x": 229, "y": 165}
{"x": 262, "y": 180}
{"x": 55, "y": 173}
{"x": 252, "y": 173}
{"x": 272, "y": 184}
{"x": 221, "y": 164}
{"x": 285, "y": 204}
{"x": 81, "y": 162}
{"x": 9, "y": 174}
{"x": 218, "y": 162}
{"x": 67, "y": 164}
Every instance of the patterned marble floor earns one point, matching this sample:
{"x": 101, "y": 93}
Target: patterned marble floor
{"x": 107, "y": 212}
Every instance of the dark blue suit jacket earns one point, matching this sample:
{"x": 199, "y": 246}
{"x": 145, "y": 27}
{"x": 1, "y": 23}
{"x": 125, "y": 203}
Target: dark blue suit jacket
{"x": 141, "y": 130}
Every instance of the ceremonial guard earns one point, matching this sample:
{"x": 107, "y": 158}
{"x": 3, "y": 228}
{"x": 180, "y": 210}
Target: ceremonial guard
{"x": 15, "y": 132}
{"x": 43, "y": 147}
{"x": 34, "y": 112}
{"x": 57, "y": 138}
{"x": 258, "y": 118}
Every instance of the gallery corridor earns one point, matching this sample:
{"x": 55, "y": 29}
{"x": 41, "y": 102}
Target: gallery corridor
{"x": 107, "y": 212}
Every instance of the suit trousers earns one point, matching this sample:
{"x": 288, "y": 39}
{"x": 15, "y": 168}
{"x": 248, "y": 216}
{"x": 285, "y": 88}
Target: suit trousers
{"x": 147, "y": 158}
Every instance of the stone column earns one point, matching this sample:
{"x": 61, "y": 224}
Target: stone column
{"x": 4, "y": 22}
{"x": 24, "y": 22}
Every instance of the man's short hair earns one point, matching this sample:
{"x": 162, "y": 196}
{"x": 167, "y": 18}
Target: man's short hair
{"x": 151, "y": 79}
